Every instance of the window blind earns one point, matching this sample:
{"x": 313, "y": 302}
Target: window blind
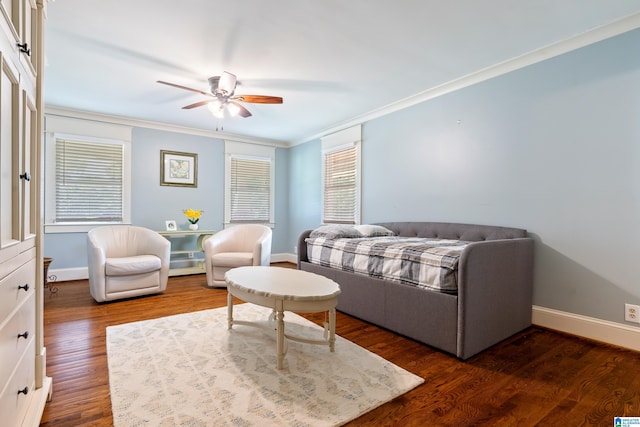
{"x": 89, "y": 182}
{"x": 340, "y": 186}
{"x": 250, "y": 189}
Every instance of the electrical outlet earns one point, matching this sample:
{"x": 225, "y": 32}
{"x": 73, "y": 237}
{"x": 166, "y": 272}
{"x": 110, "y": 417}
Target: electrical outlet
{"x": 190, "y": 255}
{"x": 632, "y": 313}
{"x": 295, "y": 249}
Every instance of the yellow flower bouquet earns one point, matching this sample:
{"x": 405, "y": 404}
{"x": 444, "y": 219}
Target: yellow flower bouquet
{"x": 193, "y": 216}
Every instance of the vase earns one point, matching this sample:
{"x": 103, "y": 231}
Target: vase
{"x": 193, "y": 227}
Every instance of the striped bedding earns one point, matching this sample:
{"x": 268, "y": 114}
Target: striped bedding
{"x": 424, "y": 263}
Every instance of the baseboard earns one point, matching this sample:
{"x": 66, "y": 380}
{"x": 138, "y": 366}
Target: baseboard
{"x": 588, "y": 327}
{"x": 66, "y": 274}
{"x": 284, "y": 258}
{"x": 38, "y": 402}
{"x": 82, "y": 273}
{"x": 575, "y": 324}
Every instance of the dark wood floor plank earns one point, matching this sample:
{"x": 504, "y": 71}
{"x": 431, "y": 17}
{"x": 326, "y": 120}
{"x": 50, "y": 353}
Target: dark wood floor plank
{"x": 537, "y": 377}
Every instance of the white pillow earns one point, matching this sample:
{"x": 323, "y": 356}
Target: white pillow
{"x": 369, "y": 230}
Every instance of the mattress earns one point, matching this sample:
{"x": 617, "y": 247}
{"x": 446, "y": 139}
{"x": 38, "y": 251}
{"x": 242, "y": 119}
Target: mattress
{"x": 425, "y": 263}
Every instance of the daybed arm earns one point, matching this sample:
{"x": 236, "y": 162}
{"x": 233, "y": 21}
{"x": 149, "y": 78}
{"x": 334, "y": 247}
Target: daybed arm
{"x": 302, "y": 247}
{"x": 494, "y": 292}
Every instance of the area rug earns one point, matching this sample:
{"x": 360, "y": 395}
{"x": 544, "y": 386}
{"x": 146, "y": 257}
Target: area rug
{"x": 190, "y": 370}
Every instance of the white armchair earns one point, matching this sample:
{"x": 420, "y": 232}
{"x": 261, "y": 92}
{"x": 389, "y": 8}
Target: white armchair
{"x": 126, "y": 261}
{"x": 236, "y": 246}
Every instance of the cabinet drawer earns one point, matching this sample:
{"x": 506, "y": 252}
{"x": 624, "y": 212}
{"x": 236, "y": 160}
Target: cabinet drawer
{"x": 14, "y": 405}
{"x": 12, "y": 347}
{"x": 11, "y": 295}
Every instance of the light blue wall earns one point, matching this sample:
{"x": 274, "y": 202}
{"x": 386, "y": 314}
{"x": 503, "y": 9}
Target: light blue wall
{"x": 153, "y": 204}
{"x": 305, "y": 190}
{"x": 553, "y": 148}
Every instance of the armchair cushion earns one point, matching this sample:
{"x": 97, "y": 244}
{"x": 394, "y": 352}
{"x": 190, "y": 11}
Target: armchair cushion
{"x": 136, "y": 264}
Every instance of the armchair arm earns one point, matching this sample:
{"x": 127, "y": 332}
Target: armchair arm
{"x": 262, "y": 249}
{"x": 219, "y": 242}
{"x": 96, "y": 268}
{"x": 158, "y": 245}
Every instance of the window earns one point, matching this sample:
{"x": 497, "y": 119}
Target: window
{"x": 249, "y": 183}
{"x": 89, "y": 182}
{"x": 87, "y": 177}
{"x": 341, "y": 177}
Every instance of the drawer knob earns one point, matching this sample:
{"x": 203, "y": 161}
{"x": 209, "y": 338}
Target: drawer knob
{"x": 24, "y": 391}
{"x": 25, "y": 287}
{"x": 25, "y": 335}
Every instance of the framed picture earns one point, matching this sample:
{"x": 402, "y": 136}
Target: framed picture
{"x": 171, "y": 225}
{"x": 178, "y": 169}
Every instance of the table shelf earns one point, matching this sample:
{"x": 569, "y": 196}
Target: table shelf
{"x": 187, "y": 251}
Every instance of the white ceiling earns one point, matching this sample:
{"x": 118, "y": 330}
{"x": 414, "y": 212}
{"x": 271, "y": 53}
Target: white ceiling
{"x": 333, "y": 61}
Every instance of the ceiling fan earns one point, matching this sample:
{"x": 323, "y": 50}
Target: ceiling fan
{"x": 222, "y": 91}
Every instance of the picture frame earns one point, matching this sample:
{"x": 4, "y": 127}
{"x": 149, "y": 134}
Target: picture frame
{"x": 171, "y": 225}
{"x": 178, "y": 169}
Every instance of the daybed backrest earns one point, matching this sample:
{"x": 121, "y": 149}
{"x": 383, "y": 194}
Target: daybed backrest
{"x": 447, "y": 230}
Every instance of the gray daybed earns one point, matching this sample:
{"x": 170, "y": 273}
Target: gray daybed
{"x": 493, "y": 299}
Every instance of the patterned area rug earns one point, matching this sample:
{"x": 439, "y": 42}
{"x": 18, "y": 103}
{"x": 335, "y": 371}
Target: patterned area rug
{"x": 189, "y": 370}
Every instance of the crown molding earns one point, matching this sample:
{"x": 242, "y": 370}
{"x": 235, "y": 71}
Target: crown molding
{"x": 51, "y": 110}
{"x": 615, "y": 28}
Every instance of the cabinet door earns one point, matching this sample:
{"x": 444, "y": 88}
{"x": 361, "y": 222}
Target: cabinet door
{"x": 28, "y": 144}
{"x": 11, "y": 11}
{"x": 9, "y": 176}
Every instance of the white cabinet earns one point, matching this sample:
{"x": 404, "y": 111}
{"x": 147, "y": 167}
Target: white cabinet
{"x": 187, "y": 251}
{"x": 24, "y": 386}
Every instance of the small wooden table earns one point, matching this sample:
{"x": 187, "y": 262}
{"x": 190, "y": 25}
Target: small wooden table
{"x": 284, "y": 289}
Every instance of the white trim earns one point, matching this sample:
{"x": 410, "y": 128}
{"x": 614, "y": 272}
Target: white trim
{"x": 83, "y": 130}
{"x": 344, "y": 138}
{"x": 574, "y": 324}
{"x": 87, "y": 115}
{"x": 82, "y": 273}
{"x": 284, "y": 258}
{"x": 248, "y": 151}
{"x": 67, "y": 274}
{"x": 595, "y": 35}
{"x": 99, "y": 130}
{"x": 588, "y": 327}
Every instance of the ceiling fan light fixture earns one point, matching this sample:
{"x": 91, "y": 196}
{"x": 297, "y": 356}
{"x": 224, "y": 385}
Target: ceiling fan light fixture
{"x": 216, "y": 108}
{"x": 233, "y": 109}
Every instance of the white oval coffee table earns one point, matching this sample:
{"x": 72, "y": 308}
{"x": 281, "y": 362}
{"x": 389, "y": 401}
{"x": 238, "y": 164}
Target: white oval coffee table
{"x": 284, "y": 289}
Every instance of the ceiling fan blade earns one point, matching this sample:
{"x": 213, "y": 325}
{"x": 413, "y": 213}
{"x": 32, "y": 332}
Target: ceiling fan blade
{"x": 259, "y": 99}
{"x": 196, "y": 104}
{"x": 241, "y": 110}
{"x": 227, "y": 83}
{"x": 185, "y": 88}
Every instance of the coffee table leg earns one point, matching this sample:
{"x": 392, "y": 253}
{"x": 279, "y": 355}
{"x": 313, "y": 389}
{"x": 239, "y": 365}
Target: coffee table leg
{"x": 229, "y": 310}
{"x": 280, "y": 334}
{"x": 332, "y": 329}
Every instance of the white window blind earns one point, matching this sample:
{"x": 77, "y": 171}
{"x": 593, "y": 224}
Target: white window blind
{"x": 341, "y": 176}
{"x": 89, "y": 182}
{"x": 250, "y": 189}
{"x": 340, "y": 186}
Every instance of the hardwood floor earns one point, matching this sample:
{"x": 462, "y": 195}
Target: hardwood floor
{"x": 537, "y": 377}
